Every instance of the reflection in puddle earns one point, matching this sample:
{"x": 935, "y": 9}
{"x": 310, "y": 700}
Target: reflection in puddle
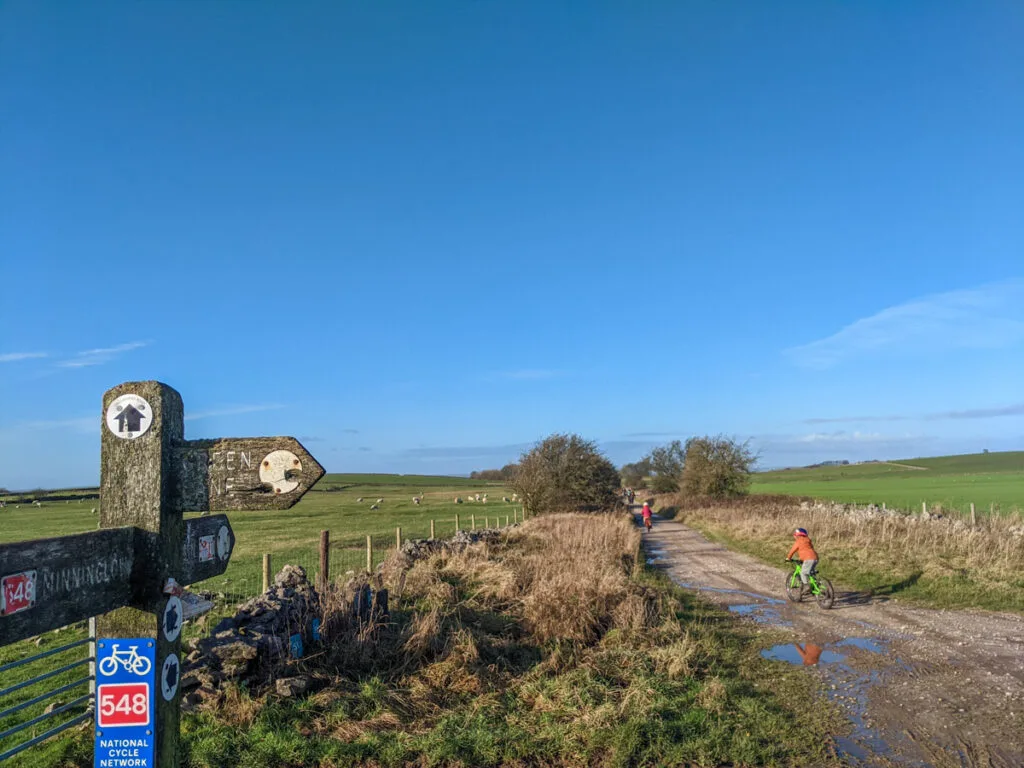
{"x": 809, "y": 654}
{"x": 806, "y": 655}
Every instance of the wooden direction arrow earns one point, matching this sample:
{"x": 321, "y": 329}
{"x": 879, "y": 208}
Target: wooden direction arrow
{"x": 209, "y": 542}
{"x": 70, "y": 578}
{"x": 242, "y": 473}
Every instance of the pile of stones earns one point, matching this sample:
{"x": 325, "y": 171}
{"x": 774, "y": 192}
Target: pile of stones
{"x": 254, "y": 645}
{"x": 243, "y": 646}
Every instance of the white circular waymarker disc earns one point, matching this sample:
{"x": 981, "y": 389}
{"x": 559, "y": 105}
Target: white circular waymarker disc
{"x": 129, "y": 416}
{"x": 274, "y": 467}
{"x": 170, "y": 676}
{"x": 223, "y": 543}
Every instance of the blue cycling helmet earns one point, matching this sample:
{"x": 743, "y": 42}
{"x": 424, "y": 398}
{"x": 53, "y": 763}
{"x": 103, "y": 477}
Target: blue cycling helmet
{"x": 800, "y": 532}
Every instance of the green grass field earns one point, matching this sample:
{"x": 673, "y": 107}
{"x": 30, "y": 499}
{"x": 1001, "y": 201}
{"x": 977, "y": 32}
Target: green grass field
{"x": 290, "y": 536}
{"x": 988, "y": 480}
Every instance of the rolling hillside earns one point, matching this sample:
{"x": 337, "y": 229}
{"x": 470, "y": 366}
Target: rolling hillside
{"x": 989, "y": 480}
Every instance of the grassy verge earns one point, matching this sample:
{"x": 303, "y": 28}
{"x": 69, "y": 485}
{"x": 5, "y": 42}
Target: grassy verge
{"x": 551, "y": 648}
{"x": 940, "y": 564}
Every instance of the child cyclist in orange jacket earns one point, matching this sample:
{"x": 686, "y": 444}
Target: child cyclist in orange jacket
{"x": 804, "y": 549}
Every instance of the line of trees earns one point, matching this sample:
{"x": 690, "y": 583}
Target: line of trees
{"x": 503, "y": 475}
{"x": 566, "y": 473}
{"x": 702, "y": 466}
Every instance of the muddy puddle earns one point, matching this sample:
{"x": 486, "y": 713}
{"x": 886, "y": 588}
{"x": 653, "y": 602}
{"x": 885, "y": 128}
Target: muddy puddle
{"x": 850, "y": 668}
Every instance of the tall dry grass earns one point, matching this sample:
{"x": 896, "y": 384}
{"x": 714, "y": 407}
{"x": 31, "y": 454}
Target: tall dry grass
{"x": 945, "y": 560}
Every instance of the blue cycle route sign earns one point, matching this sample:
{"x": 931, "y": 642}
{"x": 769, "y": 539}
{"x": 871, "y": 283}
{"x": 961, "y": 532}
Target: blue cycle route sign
{"x": 125, "y": 705}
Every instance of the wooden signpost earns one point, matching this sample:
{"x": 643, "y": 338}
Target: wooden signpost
{"x": 130, "y": 572}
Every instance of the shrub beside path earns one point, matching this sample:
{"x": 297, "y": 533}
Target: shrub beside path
{"x": 922, "y": 686}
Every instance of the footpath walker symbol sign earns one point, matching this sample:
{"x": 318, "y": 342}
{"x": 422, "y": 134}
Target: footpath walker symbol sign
{"x": 129, "y": 416}
{"x": 150, "y": 475}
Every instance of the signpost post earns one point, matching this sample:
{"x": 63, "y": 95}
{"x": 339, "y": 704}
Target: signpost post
{"x": 129, "y": 573}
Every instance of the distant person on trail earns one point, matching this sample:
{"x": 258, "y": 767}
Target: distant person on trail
{"x": 804, "y": 549}
{"x": 646, "y": 513}
{"x": 632, "y": 496}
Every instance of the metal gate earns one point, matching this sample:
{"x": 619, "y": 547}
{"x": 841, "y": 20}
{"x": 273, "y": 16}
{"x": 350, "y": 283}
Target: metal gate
{"x": 13, "y": 692}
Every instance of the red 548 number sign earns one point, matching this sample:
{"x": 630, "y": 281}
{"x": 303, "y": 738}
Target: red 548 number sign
{"x": 17, "y": 592}
{"x": 120, "y": 704}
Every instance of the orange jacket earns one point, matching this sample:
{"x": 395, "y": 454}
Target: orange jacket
{"x": 803, "y": 548}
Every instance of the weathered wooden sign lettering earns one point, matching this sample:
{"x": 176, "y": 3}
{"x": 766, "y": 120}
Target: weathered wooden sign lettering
{"x": 243, "y": 473}
{"x": 72, "y": 578}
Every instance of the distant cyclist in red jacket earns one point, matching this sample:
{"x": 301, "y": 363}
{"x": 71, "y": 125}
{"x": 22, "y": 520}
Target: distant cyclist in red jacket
{"x": 646, "y": 512}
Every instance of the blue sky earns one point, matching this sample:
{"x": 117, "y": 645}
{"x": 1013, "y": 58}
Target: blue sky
{"x": 420, "y": 236}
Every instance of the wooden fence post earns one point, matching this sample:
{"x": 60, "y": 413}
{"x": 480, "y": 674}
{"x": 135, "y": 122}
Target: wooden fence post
{"x": 456, "y": 523}
{"x": 369, "y": 554}
{"x": 398, "y": 537}
{"x": 506, "y": 521}
{"x": 325, "y": 561}
{"x": 974, "y": 520}
{"x": 924, "y": 508}
{"x": 487, "y": 522}
{"x": 266, "y": 571}
{"x": 431, "y": 530}
{"x": 472, "y": 522}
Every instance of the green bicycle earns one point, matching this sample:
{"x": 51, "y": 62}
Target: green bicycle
{"x": 820, "y": 587}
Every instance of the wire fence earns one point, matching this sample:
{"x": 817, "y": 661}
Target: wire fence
{"x": 252, "y": 570}
{"x": 45, "y": 692}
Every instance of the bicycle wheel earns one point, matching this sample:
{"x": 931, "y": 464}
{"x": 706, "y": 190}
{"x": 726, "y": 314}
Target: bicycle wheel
{"x": 827, "y": 595}
{"x": 141, "y": 665}
{"x": 794, "y": 588}
{"x": 108, "y": 666}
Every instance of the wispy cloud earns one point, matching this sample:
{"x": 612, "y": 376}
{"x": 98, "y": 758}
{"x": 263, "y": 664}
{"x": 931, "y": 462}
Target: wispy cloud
{"x": 980, "y": 413}
{"x": 13, "y": 357}
{"x": 526, "y": 374}
{"x": 1017, "y": 409}
{"x": 232, "y": 410}
{"x": 100, "y": 355}
{"x": 350, "y": 431}
{"x": 987, "y": 317}
{"x": 80, "y": 424}
{"x": 856, "y": 419}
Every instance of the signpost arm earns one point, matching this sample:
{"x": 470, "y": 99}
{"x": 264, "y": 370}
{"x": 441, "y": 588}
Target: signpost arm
{"x": 135, "y": 489}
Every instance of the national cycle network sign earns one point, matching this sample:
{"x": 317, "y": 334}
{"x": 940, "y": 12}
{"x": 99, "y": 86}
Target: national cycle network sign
{"x": 125, "y": 734}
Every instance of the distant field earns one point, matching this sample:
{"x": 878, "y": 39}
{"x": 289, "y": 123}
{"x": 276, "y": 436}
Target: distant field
{"x": 293, "y": 535}
{"x": 953, "y": 482}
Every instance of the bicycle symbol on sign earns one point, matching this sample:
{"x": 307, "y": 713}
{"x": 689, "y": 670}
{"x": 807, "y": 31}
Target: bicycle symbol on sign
{"x": 129, "y": 660}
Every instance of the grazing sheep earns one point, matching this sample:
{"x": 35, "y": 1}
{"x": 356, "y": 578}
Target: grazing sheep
{"x": 374, "y": 506}
{"x": 458, "y": 500}
{"x": 478, "y": 497}
{"x": 505, "y": 499}
{"x": 380, "y": 501}
{"x": 359, "y": 500}
{"x": 416, "y": 500}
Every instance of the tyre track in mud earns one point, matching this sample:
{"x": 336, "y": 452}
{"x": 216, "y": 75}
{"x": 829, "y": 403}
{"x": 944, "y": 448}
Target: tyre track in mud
{"x": 921, "y": 687}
